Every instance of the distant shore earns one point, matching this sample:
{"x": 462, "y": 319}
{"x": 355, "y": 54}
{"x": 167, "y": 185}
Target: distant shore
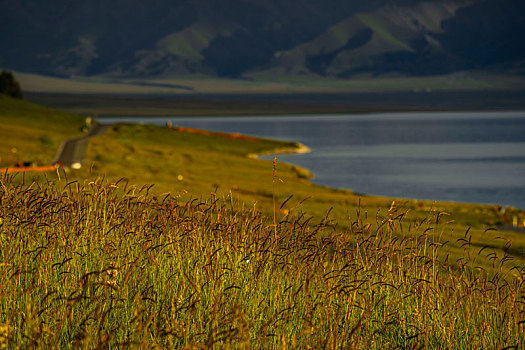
{"x": 106, "y": 105}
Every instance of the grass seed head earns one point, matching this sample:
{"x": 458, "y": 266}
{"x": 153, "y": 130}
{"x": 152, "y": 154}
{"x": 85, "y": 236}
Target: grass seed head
{"x": 112, "y": 273}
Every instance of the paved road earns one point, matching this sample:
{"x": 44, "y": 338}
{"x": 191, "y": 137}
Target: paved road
{"x": 72, "y": 152}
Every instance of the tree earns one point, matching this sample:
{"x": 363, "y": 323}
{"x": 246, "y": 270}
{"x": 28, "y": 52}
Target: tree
{"x": 9, "y": 86}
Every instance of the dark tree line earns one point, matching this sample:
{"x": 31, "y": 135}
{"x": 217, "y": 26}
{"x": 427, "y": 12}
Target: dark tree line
{"x": 9, "y": 86}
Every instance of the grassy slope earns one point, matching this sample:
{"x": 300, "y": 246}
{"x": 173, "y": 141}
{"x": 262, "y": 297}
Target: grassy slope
{"x": 192, "y": 166}
{"x": 186, "y": 273}
{"x": 112, "y": 270}
{"x": 34, "y": 131}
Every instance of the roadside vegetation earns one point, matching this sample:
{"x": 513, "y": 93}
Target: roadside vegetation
{"x": 173, "y": 239}
{"x": 9, "y": 85}
{"x": 32, "y": 133}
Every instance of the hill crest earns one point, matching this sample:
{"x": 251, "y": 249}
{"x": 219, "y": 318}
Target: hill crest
{"x": 254, "y": 38}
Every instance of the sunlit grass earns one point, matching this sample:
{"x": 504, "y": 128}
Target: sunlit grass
{"x": 195, "y": 166}
{"x": 100, "y": 264}
{"x": 223, "y": 250}
{"x": 33, "y": 133}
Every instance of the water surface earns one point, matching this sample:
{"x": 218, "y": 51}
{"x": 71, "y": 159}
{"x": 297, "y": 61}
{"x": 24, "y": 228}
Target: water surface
{"x": 476, "y": 157}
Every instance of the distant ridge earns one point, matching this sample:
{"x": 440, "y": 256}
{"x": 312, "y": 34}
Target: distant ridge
{"x": 260, "y": 39}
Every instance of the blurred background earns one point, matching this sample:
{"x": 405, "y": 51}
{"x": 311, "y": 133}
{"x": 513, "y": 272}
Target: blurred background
{"x": 266, "y": 47}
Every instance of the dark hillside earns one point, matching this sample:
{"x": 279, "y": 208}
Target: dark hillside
{"x": 488, "y": 34}
{"x": 235, "y": 38}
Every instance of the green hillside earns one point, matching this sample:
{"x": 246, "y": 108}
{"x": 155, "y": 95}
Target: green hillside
{"x": 237, "y": 39}
{"x": 365, "y": 40}
{"x": 32, "y": 133}
{"x": 190, "y": 165}
{"x": 240, "y": 253}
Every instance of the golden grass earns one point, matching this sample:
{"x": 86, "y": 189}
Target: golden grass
{"x": 229, "y": 251}
{"x": 100, "y": 264}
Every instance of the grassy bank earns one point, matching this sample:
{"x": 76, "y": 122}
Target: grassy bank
{"x": 32, "y": 133}
{"x": 112, "y": 265}
{"x": 170, "y": 239}
{"x": 191, "y": 165}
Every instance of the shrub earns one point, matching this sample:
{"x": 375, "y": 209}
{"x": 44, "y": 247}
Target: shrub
{"x": 9, "y": 86}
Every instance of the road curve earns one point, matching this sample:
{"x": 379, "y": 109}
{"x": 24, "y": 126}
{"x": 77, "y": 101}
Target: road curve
{"x": 72, "y": 152}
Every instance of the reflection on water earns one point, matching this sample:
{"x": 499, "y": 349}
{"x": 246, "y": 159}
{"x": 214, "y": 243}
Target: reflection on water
{"x": 467, "y": 157}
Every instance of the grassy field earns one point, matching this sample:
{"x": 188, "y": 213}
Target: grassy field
{"x": 170, "y": 239}
{"x": 33, "y": 133}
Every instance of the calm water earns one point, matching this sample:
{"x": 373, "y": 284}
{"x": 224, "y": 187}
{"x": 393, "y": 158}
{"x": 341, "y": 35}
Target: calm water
{"x": 466, "y": 157}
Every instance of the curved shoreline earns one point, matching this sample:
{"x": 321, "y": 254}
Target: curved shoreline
{"x": 298, "y": 149}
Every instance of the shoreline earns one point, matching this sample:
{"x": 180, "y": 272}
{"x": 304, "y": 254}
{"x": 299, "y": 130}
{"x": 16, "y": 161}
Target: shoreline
{"x": 107, "y": 105}
{"x": 291, "y": 147}
{"x": 199, "y": 177}
{"x": 298, "y": 149}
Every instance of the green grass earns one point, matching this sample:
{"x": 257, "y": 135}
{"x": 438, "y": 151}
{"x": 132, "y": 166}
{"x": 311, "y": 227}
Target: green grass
{"x": 179, "y": 44}
{"x": 33, "y": 133}
{"x": 381, "y": 32}
{"x": 338, "y": 31}
{"x": 112, "y": 265}
{"x": 191, "y": 165}
{"x": 169, "y": 239}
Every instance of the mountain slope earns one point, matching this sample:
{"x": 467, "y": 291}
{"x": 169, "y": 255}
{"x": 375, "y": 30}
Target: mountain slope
{"x": 235, "y": 38}
{"x": 390, "y": 38}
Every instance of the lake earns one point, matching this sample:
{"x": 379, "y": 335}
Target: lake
{"x": 476, "y": 157}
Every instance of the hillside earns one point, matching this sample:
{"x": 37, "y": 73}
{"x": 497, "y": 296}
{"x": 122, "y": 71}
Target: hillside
{"x": 95, "y": 259}
{"x": 261, "y": 38}
{"x": 190, "y": 165}
{"x": 33, "y": 133}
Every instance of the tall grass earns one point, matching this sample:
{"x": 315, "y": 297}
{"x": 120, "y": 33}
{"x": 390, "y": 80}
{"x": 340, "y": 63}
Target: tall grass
{"x": 112, "y": 265}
